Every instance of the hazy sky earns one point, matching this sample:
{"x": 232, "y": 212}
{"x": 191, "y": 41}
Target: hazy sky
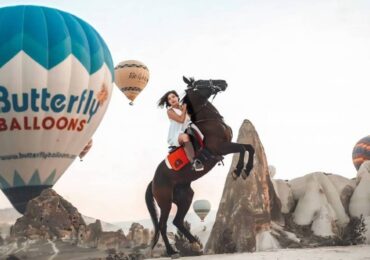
{"x": 299, "y": 70}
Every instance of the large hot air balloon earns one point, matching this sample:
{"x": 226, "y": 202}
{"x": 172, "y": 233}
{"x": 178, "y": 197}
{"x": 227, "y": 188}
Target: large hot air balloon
{"x": 56, "y": 75}
{"x": 131, "y": 76}
{"x": 202, "y": 208}
{"x": 361, "y": 152}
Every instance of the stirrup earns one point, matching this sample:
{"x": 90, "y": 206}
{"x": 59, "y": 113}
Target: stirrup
{"x": 198, "y": 165}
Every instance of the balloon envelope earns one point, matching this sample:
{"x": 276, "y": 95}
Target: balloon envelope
{"x": 202, "y": 208}
{"x": 131, "y": 77}
{"x": 361, "y": 152}
{"x": 86, "y": 149}
{"x": 56, "y": 77}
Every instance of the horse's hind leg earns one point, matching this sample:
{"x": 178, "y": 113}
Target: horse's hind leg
{"x": 163, "y": 197}
{"x": 227, "y": 148}
{"x": 183, "y": 197}
{"x": 249, "y": 165}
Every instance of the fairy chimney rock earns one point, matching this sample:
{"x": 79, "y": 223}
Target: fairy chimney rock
{"x": 247, "y": 207}
{"x": 49, "y": 216}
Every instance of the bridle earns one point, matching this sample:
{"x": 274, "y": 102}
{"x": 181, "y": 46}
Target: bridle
{"x": 214, "y": 88}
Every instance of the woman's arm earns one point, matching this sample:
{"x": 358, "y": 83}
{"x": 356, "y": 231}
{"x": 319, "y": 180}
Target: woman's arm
{"x": 174, "y": 116}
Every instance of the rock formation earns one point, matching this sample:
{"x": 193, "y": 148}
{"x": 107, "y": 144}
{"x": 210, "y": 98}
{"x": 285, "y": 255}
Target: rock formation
{"x": 112, "y": 240}
{"x": 320, "y": 212}
{"x": 89, "y": 236}
{"x": 138, "y": 235}
{"x": 359, "y": 204}
{"x": 318, "y": 196}
{"x": 49, "y": 216}
{"x": 247, "y": 206}
{"x": 261, "y": 213}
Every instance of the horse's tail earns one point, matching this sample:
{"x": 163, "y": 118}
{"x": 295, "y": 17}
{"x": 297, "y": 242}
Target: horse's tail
{"x": 153, "y": 213}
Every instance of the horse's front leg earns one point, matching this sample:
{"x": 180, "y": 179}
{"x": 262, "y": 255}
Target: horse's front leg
{"x": 227, "y": 148}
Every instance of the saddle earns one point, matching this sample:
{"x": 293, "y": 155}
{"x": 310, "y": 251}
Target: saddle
{"x": 177, "y": 159}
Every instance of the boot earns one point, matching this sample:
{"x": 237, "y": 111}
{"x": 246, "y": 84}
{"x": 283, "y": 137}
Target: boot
{"x": 189, "y": 150}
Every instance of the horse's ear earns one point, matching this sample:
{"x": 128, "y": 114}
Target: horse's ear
{"x": 186, "y": 80}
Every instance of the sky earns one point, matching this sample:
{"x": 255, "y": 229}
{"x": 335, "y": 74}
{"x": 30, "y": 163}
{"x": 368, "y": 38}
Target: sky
{"x": 298, "y": 70}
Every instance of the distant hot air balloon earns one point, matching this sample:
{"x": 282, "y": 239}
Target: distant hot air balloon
{"x": 202, "y": 208}
{"x": 361, "y": 152}
{"x": 56, "y": 75}
{"x": 85, "y": 150}
{"x": 131, "y": 76}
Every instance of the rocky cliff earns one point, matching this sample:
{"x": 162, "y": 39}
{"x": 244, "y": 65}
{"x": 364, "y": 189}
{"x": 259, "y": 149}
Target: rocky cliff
{"x": 50, "y": 217}
{"x": 262, "y": 213}
{"x": 248, "y": 206}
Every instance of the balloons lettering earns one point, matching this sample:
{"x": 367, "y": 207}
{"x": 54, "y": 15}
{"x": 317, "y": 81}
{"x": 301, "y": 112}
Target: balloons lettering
{"x": 56, "y": 75}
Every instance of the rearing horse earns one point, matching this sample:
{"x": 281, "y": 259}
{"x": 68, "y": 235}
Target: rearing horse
{"x": 168, "y": 186}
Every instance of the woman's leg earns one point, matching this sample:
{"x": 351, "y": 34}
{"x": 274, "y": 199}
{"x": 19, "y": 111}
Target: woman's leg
{"x": 184, "y": 139}
{"x": 188, "y": 147}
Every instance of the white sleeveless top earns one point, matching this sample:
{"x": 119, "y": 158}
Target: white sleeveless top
{"x": 177, "y": 128}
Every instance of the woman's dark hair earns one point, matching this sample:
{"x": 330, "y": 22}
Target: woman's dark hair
{"x": 164, "y": 99}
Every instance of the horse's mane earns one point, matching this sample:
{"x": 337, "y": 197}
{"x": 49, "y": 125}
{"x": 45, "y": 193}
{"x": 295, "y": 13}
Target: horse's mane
{"x": 189, "y": 106}
{"x": 190, "y": 109}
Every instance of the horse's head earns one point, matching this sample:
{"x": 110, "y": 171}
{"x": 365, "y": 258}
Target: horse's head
{"x": 199, "y": 91}
{"x": 204, "y": 88}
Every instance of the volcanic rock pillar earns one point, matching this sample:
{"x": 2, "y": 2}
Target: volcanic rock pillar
{"x": 247, "y": 206}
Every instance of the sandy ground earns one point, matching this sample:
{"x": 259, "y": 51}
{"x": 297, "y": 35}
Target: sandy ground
{"x": 63, "y": 251}
{"x": 322, "y": 253}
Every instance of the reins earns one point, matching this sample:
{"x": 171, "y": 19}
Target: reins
{"x": 213, "y": 87}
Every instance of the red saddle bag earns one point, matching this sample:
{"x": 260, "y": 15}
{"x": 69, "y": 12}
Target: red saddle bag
{"x": 178, "y": 159}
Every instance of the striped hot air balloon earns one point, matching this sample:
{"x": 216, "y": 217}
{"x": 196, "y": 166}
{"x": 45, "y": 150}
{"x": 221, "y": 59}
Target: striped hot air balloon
{"x": 56, "y": 75}
{"x": 131, "y": 76}
{"x": 361, "y": 152}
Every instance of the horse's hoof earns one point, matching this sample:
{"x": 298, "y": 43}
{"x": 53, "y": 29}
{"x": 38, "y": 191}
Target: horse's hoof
{"x": 234, "y": 175}
{"x": 196, "y": 247}
{"x": 246, "y": 174}
{"x": 175, "y": 256}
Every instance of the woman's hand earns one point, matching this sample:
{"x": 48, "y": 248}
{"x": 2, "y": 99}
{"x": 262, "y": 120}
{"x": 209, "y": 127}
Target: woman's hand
{"x": 178, "y": 118}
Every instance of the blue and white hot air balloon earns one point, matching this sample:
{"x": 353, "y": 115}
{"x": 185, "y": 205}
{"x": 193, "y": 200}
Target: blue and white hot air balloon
{"x": 56, "y": 75}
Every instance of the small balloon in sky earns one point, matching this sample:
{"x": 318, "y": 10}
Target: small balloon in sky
{"x": 202, "y": 208}
{"x": 56, "y": 78}
{"x": 86, "y": 149}
{"x": 361, "y": 152}
{"x": 131, "y": 76}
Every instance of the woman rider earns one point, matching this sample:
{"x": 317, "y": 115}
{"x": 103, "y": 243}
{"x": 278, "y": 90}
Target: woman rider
{"x": 179, "y": 121}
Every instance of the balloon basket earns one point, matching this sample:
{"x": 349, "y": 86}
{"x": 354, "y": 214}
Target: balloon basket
{"x": 131, "y": 103}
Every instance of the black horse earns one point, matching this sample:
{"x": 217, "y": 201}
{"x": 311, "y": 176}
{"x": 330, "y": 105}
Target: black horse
{"x": 169, "y": 187}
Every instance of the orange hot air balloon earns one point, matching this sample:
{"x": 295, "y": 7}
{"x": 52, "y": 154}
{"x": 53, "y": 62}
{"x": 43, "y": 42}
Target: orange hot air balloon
{"x": 131, "y": 76}
{"x": 86, "y": 149}
{"x": 361, "y": 152}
